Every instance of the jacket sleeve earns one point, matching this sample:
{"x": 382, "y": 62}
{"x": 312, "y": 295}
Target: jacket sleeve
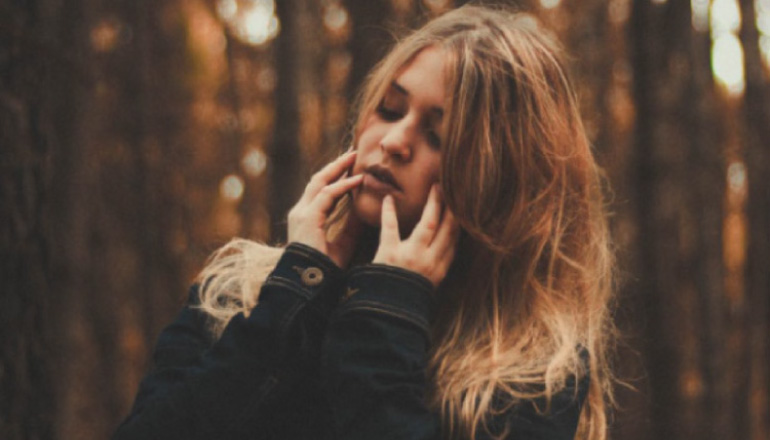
{"x": 374, "y": 362}
{"x": 201, "y": 390}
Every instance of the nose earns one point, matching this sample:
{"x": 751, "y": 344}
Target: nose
{"x": 398, "y": 141}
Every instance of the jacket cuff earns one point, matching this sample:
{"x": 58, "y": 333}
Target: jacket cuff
{"x": 392, "y": 291}
{"x": 309, "y": 272}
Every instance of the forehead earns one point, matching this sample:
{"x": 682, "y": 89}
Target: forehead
{"x": 424, "y": 77}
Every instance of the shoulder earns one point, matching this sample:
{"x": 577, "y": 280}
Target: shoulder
{"x": 190, "y": 325}
{"x": 543, "y": 418}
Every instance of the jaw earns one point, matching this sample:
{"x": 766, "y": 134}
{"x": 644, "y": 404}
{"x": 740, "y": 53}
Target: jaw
{"x": 367, "y": 207}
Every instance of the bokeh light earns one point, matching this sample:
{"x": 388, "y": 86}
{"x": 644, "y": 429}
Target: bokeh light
{"x": 727, "y": 63}
{"x": 763, "y": 25}
{"x": 104, "y": 36}
{"x": 700, "y": 15}
{"x": 335, "y": 17}
{"x": 251, "y": 21}
{"x": 227, "y": 9}
{"x": 725, "y": 17}
{"x": 736, "y": 176}
{"x": 254, "y": 162}
{"x": 231, "y": 188}
{"x": 619, "y": 11}
{"x": 726, "y": 48}
{"x": 549, "y": 4}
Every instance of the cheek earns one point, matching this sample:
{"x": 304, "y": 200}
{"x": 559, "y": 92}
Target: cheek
{"x": 432, "y": 171}
{"x": 424, "y": 180}
{"x": 367, "y": 136}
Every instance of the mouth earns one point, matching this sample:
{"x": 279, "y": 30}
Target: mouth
{"x": 382, "y": 177}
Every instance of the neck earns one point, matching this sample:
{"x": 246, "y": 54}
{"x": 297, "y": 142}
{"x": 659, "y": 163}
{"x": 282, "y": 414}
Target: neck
{"x": 368, "y": 242}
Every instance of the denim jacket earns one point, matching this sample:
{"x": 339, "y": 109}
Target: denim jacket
{"x": 326, "y": 354}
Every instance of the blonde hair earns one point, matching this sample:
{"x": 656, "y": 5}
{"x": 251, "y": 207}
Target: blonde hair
{"x": 531, "y": 285}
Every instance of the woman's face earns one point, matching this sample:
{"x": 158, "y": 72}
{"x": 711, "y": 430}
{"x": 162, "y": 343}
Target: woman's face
{"x": 399, "y": 145}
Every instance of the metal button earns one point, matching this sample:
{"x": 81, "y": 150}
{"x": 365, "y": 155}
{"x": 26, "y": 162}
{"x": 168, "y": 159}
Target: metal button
{"x": 312, "y": 276}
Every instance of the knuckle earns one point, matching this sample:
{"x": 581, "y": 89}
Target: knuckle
{"x": 314, "y": 182}
{"x": 326, "y": 191}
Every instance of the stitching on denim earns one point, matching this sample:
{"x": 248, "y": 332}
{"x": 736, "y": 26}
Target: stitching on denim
{"x": 385, "y": 306}
{"x": 269, "y": 384}
{"x": 287, "y": 319}
{"x": 400, "y": 271}
{"x": 396, "y": 274}
{"x": 264, "y": 389}
{"x": 297, "y": 250}
{"x": 292, "y": 285}
{"x": 374, "y": 306}
{"x": 381, "y": 270}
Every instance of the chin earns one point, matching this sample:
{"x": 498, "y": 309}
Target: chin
{"x": 368, "y": 208}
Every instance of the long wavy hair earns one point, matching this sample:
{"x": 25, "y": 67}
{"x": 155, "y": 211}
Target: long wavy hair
{"x": 530, "y": 290}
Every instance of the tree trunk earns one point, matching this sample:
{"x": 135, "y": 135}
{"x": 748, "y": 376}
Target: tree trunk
{"x": 284, "y": 163}
{"x": 756, "y": 119}
{"x": 369, "y": 40}
{"x": 27, "y": 66}
{"x": 679, "y": 183}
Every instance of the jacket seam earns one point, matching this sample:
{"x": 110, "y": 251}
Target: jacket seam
{"x": 421, "y": 282}
{"x": 293, "y": 286}
{"x": 373, "y": 306}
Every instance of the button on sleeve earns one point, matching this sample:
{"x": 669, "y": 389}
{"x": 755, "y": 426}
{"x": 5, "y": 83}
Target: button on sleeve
{"x": 312, "y": 276}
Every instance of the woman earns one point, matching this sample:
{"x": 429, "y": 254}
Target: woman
{"x": 447, "y": 278}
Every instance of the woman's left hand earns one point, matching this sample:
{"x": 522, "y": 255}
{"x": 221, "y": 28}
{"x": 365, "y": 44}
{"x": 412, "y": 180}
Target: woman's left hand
{"x": 430, "y": 248}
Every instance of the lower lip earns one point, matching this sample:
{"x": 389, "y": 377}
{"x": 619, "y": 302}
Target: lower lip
{"x": 376, "y": 185}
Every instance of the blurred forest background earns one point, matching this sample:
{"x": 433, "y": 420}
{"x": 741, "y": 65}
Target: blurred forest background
{"x": 137, "y": 136}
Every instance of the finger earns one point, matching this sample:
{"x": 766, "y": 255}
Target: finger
{"x": 329, "y": 174}
{"x": 325, "y": 198}
{"x": 425, "y": 231}
{"x": 388, "y": 223}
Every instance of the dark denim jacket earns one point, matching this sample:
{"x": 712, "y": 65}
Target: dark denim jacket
{"x": 324, "y": 355}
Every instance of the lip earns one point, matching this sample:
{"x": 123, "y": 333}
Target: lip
{"x": 380, "y": 179}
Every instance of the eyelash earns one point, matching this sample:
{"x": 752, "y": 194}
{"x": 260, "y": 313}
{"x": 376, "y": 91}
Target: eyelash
{"x": 392, "y": 115}
{"x": 388, "y": 114}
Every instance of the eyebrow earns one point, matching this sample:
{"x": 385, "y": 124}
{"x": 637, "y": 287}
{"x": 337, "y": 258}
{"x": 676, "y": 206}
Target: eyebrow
{"x": 401, "y": 90}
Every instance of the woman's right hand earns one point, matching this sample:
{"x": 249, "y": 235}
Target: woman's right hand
{"x": 307, "y": 218}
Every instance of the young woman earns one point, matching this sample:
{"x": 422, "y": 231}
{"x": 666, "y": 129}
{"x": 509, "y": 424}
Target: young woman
{"x": 449, "y": 277}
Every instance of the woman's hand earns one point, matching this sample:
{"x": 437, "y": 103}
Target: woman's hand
{"x": 307, "y": 218}
{"x": 430, "y": 248}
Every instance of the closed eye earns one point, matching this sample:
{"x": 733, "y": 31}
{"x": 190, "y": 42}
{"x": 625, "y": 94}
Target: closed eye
{"x": 388, "y": 114}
